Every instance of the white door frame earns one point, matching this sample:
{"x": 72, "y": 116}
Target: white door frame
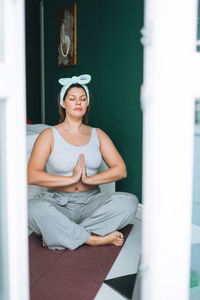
{"x": 168, "y": 151}
{"x": 168, "y": 95}
{"x": 12, "y": 92}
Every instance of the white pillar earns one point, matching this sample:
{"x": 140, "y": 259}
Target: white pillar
{"x": 12, "y": 92}
{"x": 168, "y": 129}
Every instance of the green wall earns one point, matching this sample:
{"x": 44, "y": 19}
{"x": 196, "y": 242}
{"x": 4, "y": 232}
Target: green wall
{"x": 108, "y": 48}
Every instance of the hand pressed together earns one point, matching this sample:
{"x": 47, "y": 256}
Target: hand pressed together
{"x": 85, "y": 179}
{"x": 77, "y": 172}
{"x": 80, "y": 172}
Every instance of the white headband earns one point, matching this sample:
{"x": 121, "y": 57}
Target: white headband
{"x": 67, "y": 82}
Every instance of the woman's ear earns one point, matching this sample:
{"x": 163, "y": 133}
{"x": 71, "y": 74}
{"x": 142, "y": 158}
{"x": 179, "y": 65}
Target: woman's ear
{"x": 63, "y": 104}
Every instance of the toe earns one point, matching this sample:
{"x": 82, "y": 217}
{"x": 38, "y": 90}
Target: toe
{"x": 121, "y": 235}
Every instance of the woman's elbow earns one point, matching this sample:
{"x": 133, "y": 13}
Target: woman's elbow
{"x": 123, "y": 173}
{"x": 30, "y": 180}
{"x": 30, "y": 177}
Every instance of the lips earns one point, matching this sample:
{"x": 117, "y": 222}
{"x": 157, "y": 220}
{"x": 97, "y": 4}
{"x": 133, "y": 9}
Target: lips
{"x": 78, "y": 109}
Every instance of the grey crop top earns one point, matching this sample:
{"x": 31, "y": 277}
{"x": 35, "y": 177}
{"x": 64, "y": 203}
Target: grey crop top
{"x": 64, "y": 156}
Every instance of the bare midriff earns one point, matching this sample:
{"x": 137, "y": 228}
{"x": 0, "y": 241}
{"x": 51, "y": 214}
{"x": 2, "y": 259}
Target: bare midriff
{"x": 76, "y": 187}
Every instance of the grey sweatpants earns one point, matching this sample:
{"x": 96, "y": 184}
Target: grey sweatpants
{"x": 66, "y": 220}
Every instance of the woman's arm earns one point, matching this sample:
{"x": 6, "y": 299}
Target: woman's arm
{"x": 117, "y": 167}
{"x": 39, "y": 156}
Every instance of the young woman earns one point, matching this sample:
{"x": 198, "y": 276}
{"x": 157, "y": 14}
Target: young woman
{"x": 74, "y": 211}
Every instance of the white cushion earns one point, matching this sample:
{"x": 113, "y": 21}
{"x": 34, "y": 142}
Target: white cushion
{"x": 36, "y": 128}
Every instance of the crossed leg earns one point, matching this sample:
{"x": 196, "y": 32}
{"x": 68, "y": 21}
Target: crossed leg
{"x": 116, "y": 238}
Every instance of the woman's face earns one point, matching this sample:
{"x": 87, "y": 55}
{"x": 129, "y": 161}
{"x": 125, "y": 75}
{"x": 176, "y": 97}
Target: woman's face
{"x": 75, "y": 102}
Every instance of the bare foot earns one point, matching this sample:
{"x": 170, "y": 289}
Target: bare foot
{"x": 43, "y": 243}
{"x": 116, "y": 238}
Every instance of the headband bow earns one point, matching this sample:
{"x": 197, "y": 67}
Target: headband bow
{"x": 67, "y": 82}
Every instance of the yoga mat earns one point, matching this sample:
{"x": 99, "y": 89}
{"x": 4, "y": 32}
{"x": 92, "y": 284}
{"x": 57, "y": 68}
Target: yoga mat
{"x": 69, "y": 275}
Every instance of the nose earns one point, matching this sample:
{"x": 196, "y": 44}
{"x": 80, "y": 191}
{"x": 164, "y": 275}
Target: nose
{"x": 78, "y": 101}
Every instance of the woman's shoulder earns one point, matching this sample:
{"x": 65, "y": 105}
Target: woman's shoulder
{"x": 45, "y": 135}
{"x": 102, "y": 135}
{"x": 46, "y": 132}
{"x": 100, "y": 132}
{"x": 44, "y": 139}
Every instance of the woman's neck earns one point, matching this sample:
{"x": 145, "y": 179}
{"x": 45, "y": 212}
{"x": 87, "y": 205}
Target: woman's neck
{"x": 72, "y": 125}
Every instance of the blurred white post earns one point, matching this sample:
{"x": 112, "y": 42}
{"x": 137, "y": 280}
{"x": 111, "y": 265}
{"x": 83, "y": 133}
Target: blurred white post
{"x": 12, "y": 92}
{"x": 167, "y": 99}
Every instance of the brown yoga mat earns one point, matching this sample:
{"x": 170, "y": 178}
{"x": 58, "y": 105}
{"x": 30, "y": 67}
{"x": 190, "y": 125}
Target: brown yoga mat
{"x": 69, "y": 275}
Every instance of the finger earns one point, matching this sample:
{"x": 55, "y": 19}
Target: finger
{"x": 79, "y": 162}
{"x": 80, "y": 169}
{"x": 82, "y": 163}
{"x": 77, "y": 167}
{"x": 83, "y": 176}
{"x": 84, "y": 172}
{"x": 83, "y": 160}
{"x": 81, "y": 156}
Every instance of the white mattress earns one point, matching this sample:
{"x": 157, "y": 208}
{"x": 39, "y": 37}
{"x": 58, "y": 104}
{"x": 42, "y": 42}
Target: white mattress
{"x": 36, "y": 128}
{"x": 32, "y": 132}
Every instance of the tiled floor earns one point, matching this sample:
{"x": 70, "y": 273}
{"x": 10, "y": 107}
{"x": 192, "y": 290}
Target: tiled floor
{"x": 125, "y": 264}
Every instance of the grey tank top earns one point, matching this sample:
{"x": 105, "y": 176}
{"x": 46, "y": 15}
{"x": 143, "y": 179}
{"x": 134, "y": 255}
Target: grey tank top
{"x": 64, "y": 156}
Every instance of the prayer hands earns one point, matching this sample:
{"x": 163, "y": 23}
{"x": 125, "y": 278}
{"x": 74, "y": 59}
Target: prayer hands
{"x": 80, "y": 171}
{"x": 85, "y": 179}
{"x": 77, "y": 172}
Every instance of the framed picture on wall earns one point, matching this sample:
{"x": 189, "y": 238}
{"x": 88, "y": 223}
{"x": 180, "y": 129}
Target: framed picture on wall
{"x": 67, "y": 36}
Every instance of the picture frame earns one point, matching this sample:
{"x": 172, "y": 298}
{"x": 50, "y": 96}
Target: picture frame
{"x": 67, "y": 35}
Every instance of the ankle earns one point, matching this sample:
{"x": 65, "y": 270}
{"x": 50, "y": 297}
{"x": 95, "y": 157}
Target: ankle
{"x": 92, "y": 240}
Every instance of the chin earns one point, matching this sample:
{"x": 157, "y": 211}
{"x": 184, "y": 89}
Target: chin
{"x": 77, "y": 112}
{"x": 81, "y": 114}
